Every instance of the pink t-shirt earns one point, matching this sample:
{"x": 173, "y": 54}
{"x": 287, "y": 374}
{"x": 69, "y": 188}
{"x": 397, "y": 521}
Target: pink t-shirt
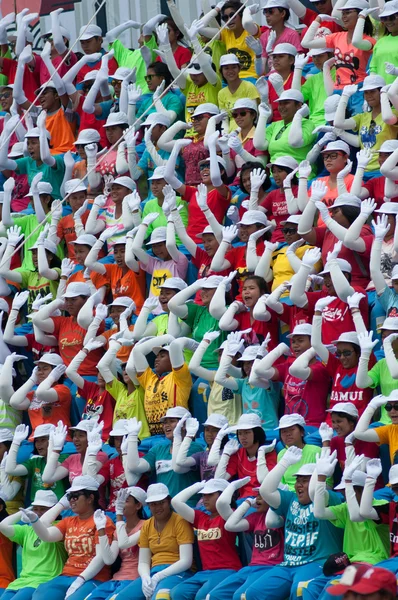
{"x": 288, "y": 36}
{"x": 129, "y": 568}
{"x": 350, "y": 61}
{"x": 74, "y": 465}
{"x": 56, "y": 61}
{"x": 268, "y": 543}
{"x": 162, "y": 270}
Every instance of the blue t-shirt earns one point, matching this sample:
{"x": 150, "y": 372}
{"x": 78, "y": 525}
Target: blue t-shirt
{"x": 307, "y": 539}
{"x": 260, "y": 401}
{"x": 389, "y": 301}
{"x": 171, "y": 101}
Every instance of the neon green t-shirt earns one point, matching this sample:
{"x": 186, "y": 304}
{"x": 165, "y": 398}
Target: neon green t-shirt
{"x": 309, "y": 455}
{"x": 133, "y": 59}
{"x": 152, "y": 206}
{"x": 315, "y": 95}
{"x": 385, "y": 50}
{"x": 381, "y": 377}
{"x": 37, "y": 285}
{"x": 200, "y": 321}
{"x": 199, "y": 95}
{"x": 277, "y": 135}
{"x": 129, "y": 405}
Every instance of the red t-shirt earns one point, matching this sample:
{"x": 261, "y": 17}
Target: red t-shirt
{"x": 240, "y": 466}
{"x": 369, "y": 449}
{"x": 31, "y": 78}
{"x": 202, "y": 262}
{"x": 237, "y": 258}
{"x": 217, "y": 547}
{"x": 275, "y": 204}
{"x": 38, "y": 349}
{"x": 94, "y": 66}
{"x": 260, "y": 329}
{"x": 56, "y": 61}
{"x": 311, "y": 15}
{"x": 268, "y": 543}
{"x": 89, "y": 121}
{"x": 217, "y": 203}
{"x": 182, "y": 56}
{"x": 307, "y": 398}
{"x": 359, "y": 261}
{"x": 113, "y": 473}
{"x": 375, "y": 187}
{"x": 99, "y": 406}
{"x": 292, "y": 315}
{"x": 71, "y": 340}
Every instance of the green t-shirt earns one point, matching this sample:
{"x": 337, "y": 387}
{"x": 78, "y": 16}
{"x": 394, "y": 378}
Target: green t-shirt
{"x": 10, "y": 417}
{"x": 54, "y": 175}
{"x": 37, "y": 285}
{"x": 315, "y": 95}
{"x": 381, "y": 377}
{"x": 35, "y": 467}
{"x": 162, "y": 323}
{"x": 309, "y": 456}
{"x": 152, "y": 206}
{"x": 363, "y": 542}
{"x": 385, "y": 50}
{"x": 129, "y": 405}
{"x": 133, "y": 59}
{"x": 200, "y": 321}
{"x": 277, "y": 135}
{"x": 41, "y": 561}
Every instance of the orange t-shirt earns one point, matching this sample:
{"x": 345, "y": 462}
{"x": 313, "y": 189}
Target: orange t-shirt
{"x": 130, "y": 284}
{"x": 124, "y": 352}
{"x": 70, "y": 338}
{"x": 50, "y": 412}
{"x": 62, "y": 138}
{"x": 80, "y": 539}
{"x": 66, "y": 231}
{"x": 6, "y": 571}
{"x": 96, "y": 278}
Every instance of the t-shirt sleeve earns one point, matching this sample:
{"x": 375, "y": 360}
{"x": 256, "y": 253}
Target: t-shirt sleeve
{"x": 232, "y": 467}
{"x": 62, "y": 526}
{"x": 22, "y": 166}
{"x": 114, "y": 388}
{"x": 286, "y": 498}
{"x": 184, "y": 532}
{"x": 19, "y": 534}
{"x": 182, "y": 376}
{"x": 144, "y": 540}
{"x": 330, "y": 41}
{"x": 383, "y": 433}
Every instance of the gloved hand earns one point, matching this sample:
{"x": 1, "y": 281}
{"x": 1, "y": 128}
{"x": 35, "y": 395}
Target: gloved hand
{"x": 292, "y": 456}
{"x": 99, "y": 519}
{"x": 354, "y": 300}
{"x": 304, "y": 169}
{"x": 121, "y": 498}
{"x": 328, "y": 137}
{"x": 20, "y": 434}
{"x": 94, "y": 443}
{"x": 231, "y": 447}
{"x": 366, "y": 12}
{"x": 304, "y": 111}
{"x": 56, "y": 373}
{"x": 318, "y": 191}
{"x": 150, "y": 25}
{"x": 264, "y": 110}
{"x": 34, "y": 376}
{"x": 333, "y": 254}
{"x": 390, "y": 69}
{"x": 30, "y": 516}
{"x": 240, "y": 483}
{"x": 133, "y": 429}
{"x": 311, "y": 257}
{"x": 101, "y": 311}
{"x": 377, "y": 401}
{"x": 201, "y": 197}
{"x": 162, "y": 34}
{"x": 39, "y": 301}
{"x": 381, "y": 227}
{"x": 234, "y": 340}
{"x": 177, "y": 433}
{"x": 191, "y": 426}
{"x": 235, "y": 144}
{"x": 323, "y": 303}
{"x": 157, "y": 94}
{"x": 150, "y": 218}
{"x": 294, "y": 247}
{"x": 9, "y": 183}
{"x": 271, "y": 246}
{"x": 262, "y": 86}
{"x": 148, "y": 587}
{"x": 276, "y": 81}
{"x": 325, "y": 432}
{"x": 287, "y": 183}
{"x": 344, "y": 172}
{"x": 233, "y": 214}
{"x": 324, "y": 212}
{"x": 301, "y": 60}
{"x": 374, "y": 468}
{"x": 91, "y": 151}
{"x": 352, "y": 467}
{"x": 109, "y": 232}
{"x": 225, "y": 430}
{"x": 58, "y": 436}
{"x": 387, "y": 340}
{"x": 20, "y": 299}
{"x": 367, "y": 207}
{"x": 263, "y": 350}
{"x": 93, "y": 345}
{"x": 67, "y": 267}
{"x": 349, "y": 439}
{"x": 266, "y": 449}
{"x": 349, "y": 90}
{"x": 64, "y": 502}
{"x": 77, "y": 584}
{"x": 325, "y": 465}
{"x": 26, "y": 56}
{"x": 80, "y": 211}
{"x": 364, "y": 157}
{"x": 14, "y": 235}
{"x": 229, "y": 234}
{"x": 257, "y": 178}
{"x": 270, "y": 42}
{"x": 256, "y": 235}
{"x": 151, "y": 304}
{"x": 100, "y": 200}
{"x": 254, "y": 44}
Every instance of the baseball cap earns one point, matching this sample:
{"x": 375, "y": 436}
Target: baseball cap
{"x": 358, "y": 4}
{"x": 388, "y": 146}
{"x": 157, "y": 492}
{"x": 370, "y": 582}
{"x": 138, "y": 493}
{"x": 207, "y": 229}
{"x": 343, "y": 264}
{"x": 207, "y": 107}
{"x": 277, "y": 4}
{"x": 158, "y": 173}
{"x": 48, "y": 245}
{"x": 120, "y": 73}
{"x": 89, "y": 31}
{"x": 331, "y": 102}
{"x": 6, "y": 435}
{"x": 43, "y": 187}
{"x": 50, "y": 359}
{"x": 125, "y": 182}
{"x": 216, "y": 420}
{"x": 246, "y": 103}
{"x": 177, "y": 412}
{"x": 117, "y": 118}
{"x": 390, "y": 323}
{"x": 393, "y": 475}
{"x": 248, "y": 421}
{"x": 388, "y": 208}
{"x": 229, "y": 59}
{"x": 290, "y": 420}
{"x": 249, "y": 353}
{"x": 75, "y": 185}
{"x": 301, "y": 329}
{"x": 305, "y": 470}
{"x": 337, "y": 145}
{"x": 390, "y": 8}
{"x": 43, "y": 430}
{"x": 213, "y": 281}
{"x": 351, "y": 337}
{"x": 125, "y": 301}
{"x": 77, "y": 289}
{"x": 45, "y": 86}
{"x": 214, "y": 485}
{"x": 157, "y": 235}
{"x": 373, "y": 82}
{"x": 292, "y": 219}
{"x": 88, "y": 136}
{"x": 291, "y": 95}
{"x": 119, "y": 428}
{"x": 83, "y": 482}
{"x": 335, "y": 564}
{"x": 156, "y": 119}
{"x": 84, "y": 425}
{"x": 16, "y": 150}
{"x": 347, "y": 408}
{"x": 35, "y": 133}
{"x": 87, "y": 239}
{"x": 45, "y": 498}
{"x": 90, "y": 76}
{"x": 174, "y": 283}
{"x": 284, "y": 161}
{"x": 284, "y": 48}
{"x": 358, "y": 478}
{"x": 251, "y": 217}
{"x": 322, "y": 31}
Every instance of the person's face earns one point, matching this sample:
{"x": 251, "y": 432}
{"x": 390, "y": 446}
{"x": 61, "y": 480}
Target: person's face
{"x": 81, "y": 253}
{"x": 165, "y": 296}
{"x": 244, "y": 117}
{"x": 115, "y": 312}
{"x": 41, "y": 444}
{"x": 290, "y": 233}
{"x": 80, "y": 440}
{"x": 347, "y": 355}
{"x": 126, "y": 378}
{"x": 210, "y": 244}
{"x": 282, "y": 63}
{"x": 117, "y": 87}
{"x": 274, "y": 16}
{"x": 173, "y": 35}
{"x": 324, "y": 7}
{"x": 119, "y": 251}
{"x": 235, "y": 22}
{"x": 210, "y": 434}
{"x": 157, "y": 186}
{"x": 341, "y": 425}
{"x": 117, "y": 440}
{"x": 153, "y": 80}
{"x": 114, "y": 134}
{"x": 261, "y": 505}
{"x": 383, "y": 157}
{"x": 391, "y": 23}
{"x": 43, "y": 371}
{"x": 34, "y": 258}
{"x": 301, "y": 487}
{"x": 92, "y": 45}
{"x": 160, "y": 510}
{"x": 199, "y": 123}
{"x": 199, "y": 80}
{"x": 157, "y": 131}
{"x": 131, "y": 507}
{"x": 334, "y": 161}
{"x": 279, "y": 174}
{"x": 300, "y": 343}
{"x": 80, "y": 151}
{"x": 40, "y": 510}
{"x": 230, "y": 73}
{"x": 79, "y": 503}
{"x": 209, "y": 501}
{"x": 246, "y": 184}
{"x": 49, "y": 100}
{"x": 204, "y": 170}
{"x": 288, "y": 108}
{"x": 162, "y": 362}
{"x": 372, "y": 97}
{"x": 338, "y": 216}
{"x": 245, "y": 437}
{"x": 168, "y": 426}
{"x": 245, "y": 231}
{"x": 6, "y": 99}
{"x": 34, "y": 148}
{"x": 393, "y": 411}
{"x": 349, "y": 18}
{"x": 206, "y": 295}
{"x": 76, "y": 200}
{"x": 119, "y": 192}
{"x": 328, "y": 284}
{"x": 160, "y": 250}
{"x": 73, "y": 305}
{"x": 292, "y": 436}
{"x": 250, "y": 293}
{"x": 247, "y": 367}
{"x": 320, "y": 59}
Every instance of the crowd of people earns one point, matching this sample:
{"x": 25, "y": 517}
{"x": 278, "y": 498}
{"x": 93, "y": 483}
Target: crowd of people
{"x": 199, "y": 305}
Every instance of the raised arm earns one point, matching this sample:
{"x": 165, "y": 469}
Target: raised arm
{"x": 373, "y": 470}
{"x": 179, "y": 502}
{"x": 177, "y": 304}
{"x": 339, "y": 119}
{"x": 269, "y": 487}
{"x": 362, "y": 431}
{"x": 381, "y": 227}
{"x": 365, "y": 341}
{"x": 224, "y": 502}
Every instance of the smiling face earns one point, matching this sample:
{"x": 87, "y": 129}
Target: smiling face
{"x": 244, "y": 117}
{"x": 347, "y": 355}
{"x": 250, "y": 293}
{"x": 119, "y": 192}
{"x": 206, "y": 295}
{"x": 162, "y": 362}
{"x": 290, "y": 233}
{"x": 157, "y": 186}
{"x": 282, "y": 63}
{"x": 287, "y": 109}
{"x": 115, "y": 312}
{"x": 341, "y": 425}
{"x": 391, "y": 23}
{"x": 261, "y": 506}
{"x": 153, "y": 80}
{"x": 160, "y": 250}
{"x": 6, "y": 99}
{"x": 301, "y": 487}
{"x": 292, "y": 436}
{"x": 199, "y": 123}
{"x": 80, "y": 503}
{"x": 245, "y": 231}
{"x": 160, "y": 510}
{"x": 210, "y": 243}
{"x": 165, "y": 296}
{"x": 300, "y": 343}
{"x": 210, "y": 434}
{"x": 230, "y": 73}
{"x": 49, "y": 100}
{"x": 349, "y": 18}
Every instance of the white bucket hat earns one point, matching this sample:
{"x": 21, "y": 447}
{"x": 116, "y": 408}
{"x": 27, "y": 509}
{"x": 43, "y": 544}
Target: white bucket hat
{"x": 248, "y": 421}
{"x": 177, "y": 412}
{"x": 45, "y": 498}
{"x": 351, "y": 337}
{"x": 157, "y": 235}
{"x": 250, "y": 353}
{"x": 343, "y": 264}
{"x": 216, "y": 420}
{"x": 50, "y": 359}
{"x": 83, "y": 482}
{"x": 88, "y": 136}
{"x": 214, "y": 485}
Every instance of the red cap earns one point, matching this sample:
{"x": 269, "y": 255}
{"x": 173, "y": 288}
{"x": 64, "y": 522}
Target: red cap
{"x": 364, "y": 579}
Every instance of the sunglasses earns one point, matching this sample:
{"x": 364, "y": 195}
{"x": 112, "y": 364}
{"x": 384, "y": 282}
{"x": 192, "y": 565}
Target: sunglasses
{"x": 289, "y": 230}
{"x": 390, "y": 406}
{"x": 115, "y": 82}
{"x": 150, "y": 77}
{"x": 389, "y": 18}
{"x": 331, "y": 155}
{"x": 345, "y": 353}
{"x": 268, "y": 11}
{"x": 238, "y": 113}
{"x": 226, "y": 17}
{"x": 75, "y": 495}
{"x": 204, "y": 166}
{"x": 197, "y": 118}
{"x": 5, "y": 95}
{"x": 195, "y": 66}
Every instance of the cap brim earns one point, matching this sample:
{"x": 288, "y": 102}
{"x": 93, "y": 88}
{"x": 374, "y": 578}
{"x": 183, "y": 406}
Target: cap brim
{"x": 156, "y": 498}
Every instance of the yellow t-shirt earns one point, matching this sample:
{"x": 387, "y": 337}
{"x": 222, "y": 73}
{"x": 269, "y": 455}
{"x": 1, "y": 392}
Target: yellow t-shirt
{"x": 245, "y": 54}
{"x": 224, "y": 402}
{"x": 388, "y": 434}
{"x": 281, "y": 267}
{"x": 128, "y": 405}
{"x": 19, "y": 500}
{"x": 226, "y": 99}
{"x": 372, "y": 134}
{"x": 165, "y": 546}
{"x": 199, "y": 95}
{"x": 160, "y": 394}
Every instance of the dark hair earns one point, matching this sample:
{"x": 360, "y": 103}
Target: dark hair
{"x": 7, "y": 444}
{"x": 344, "y": 415}
{"x": 169, "y": 21}
{"x": 287, "y": 13}
{"x": 350, "y": 212}
{"x": 162, "y": 70}
{"x": 288, "y": 171}
{"x": 258, "y": 436}
{"x": 140, "y": 512}
{"x": 55, "y": 262}
{"x": 235, "y": 4}
{"x": 221, "y": 73}
{"x": 262, "y": 284}
{"x": 250, "y": 166}
{"x": 96, "y": 497}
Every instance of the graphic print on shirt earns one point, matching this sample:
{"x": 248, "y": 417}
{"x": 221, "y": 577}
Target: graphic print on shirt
{"x": 345, "y": 382}
{"x": 266, "y": 540}
{"x": 369, "y": 135}
{"x": 301, "y": 533}
{"x": 346, "y": 60}
{"x": 244, "y": 58}
{"x": 293, "y": 390}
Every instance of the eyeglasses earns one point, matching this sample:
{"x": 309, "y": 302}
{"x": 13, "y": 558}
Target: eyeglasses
{"x": 195, "y": 66}
{"x": 345, "y": 353}
{"x": 238, "y": 113}
{"x": 390, "y": 406}
{"x": 75, "y": 495}
{"x": 289, "y": 230}
{"x": 226, "y": 17}
{"x": 204, "y": 166}
{"x": 389, "y": 18}
{"x": 150, "y": 77}
{"x": 331, "y": 155}
{"x": 268, "y": 11}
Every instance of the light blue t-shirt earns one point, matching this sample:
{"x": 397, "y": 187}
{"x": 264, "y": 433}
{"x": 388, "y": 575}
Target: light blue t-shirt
{"x": 260, "y": 401}
{"x": 389, "y": 300}
{"x": 307, "y": 539}
{"x": 170, "y": 101}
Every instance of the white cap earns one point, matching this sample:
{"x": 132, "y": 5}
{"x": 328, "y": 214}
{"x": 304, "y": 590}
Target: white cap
{"x": 358, "y": 478}
{"x": 306, "y": 470}
{"x": 284, "y": 48}
{"x": 388, "y": 146}
{"x": 337, "y": 145}
{"x": 87, "y": 239}
{"x": 43, "y": 430}
{"x": 351, "y": 337}
{"x": 248, "y": 421}
{"x": 292, "y": 219}
{"x": 301, "y": 329}
{"x": 157, "y": 492}
{"x": 45, "y": 498}
{"x": 291, "y": 95}
{"x": 125, "y": 301}
{"x": 91, "y": 75}
{"x": 120, "y": 241}
{"x": 250, "y": 353}
{"x": 394, "y": 274}
{"x": 138, "y": 493}
{"x": 207, "y": 229}
{"x": 35, "y": 133}
{"x": 157, "y": 235}
{"x": 388, "y": 208}
{"x": 174, "y": 283}
{"x": 156, "y": 119}
{"x": 48, "y": 245}
{"x": 373, "y": 82}
{"x": 120, "y": 428}
{"x": 347, "y": 408}
{"x": 390, "y": 8}
{"x": 89, "y": 31}
{"x": 229, "y": 59}
{"x": 16, "y": 150}
{"x": 251, "y": 217}
{"x": 220, "y": 161}
{"x": 246, "y": 103}
{"x": 158, "y": 173}
{"x": 4, "y": 305}
{"x": 65, "y": 33}
{"x": 177, "y": 412}
{"x": 358, "y": 4}
{"x": 331, "y": 102}
{"x": 6, "y": 435}
{"x": 213, "y": 281}
{"x": 284, "y": 161}
{"x": 77, "y": 289}
{"x": 215, "y": 420}
{"x": 290, "y": 420}
{"x": 120, "y": 73}
{"x": 214, "y": 485}
{"x": 346, "y": 199}
{"x": 85, "y": 425}
{"x": 222, "y": 347}
{"x": 75, "y": 185}
{"x": 117, "y": 118}
{"x": 88, "y": 136}
{"x": 194, "y": 68}
{"x": 277, "y": 4}
{"x": 343, "y": 264}
{"x": 318, "y": 51}
{"x": 207, "y": 108}
{"x": 126, "y": 182}
{"x": 43, "y": 187}
{"x": 48, "y": 85}
{"x": 390, "y": 324}
{"x": 83, "y": 482}
{"x": 393, "y": 475}
{"x": 50, "y": 359}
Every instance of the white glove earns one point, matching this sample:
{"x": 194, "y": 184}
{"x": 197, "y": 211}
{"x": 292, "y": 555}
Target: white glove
{"x": 80, "y": 211}
{"x": 366, "y": 344}
{"x": 374, "y": 468}
{"x": 67, "y": 267}
{"x": 271, "y": 246}
{"x": 20, "y": 434}
{"x": 234, "y": 340}
{"x": 157, "y": 94}
{"x": 93, "y": 345}
{"x": 327, "y": 464}
{"x": 256, "y": 235}
{"x": 304, "y": 169}
{"x": 121, "y": 498}
{"x": 100, "y": 200}
{"x": 231, "y": 447}
{"x": 262, "y": 87}
{"x": 30, "y": 516}
{"x": 333, "y": 254}
{"x": 301, "y": 60}
{"x": 378, "y": 401}
{"x": 77, "y": 584}
{"x": 390, "y": 69}
{"x": 318, "y": 191}
{"x": 58, "y": 436}
{"x": 267, "y": 449}
{"x": 229, "y": 233}
{"x": 304, "y": 111}
{"x": 287, "y": 183}
{"x": 311, "y": 257}
{"x": 20, "y": 299}
{"x": 233, "y": 214}
{"x": 323, "y": 303}
{"x": 239, "y": 483}
{"x": 177, "y": 433}
{"x": 56, "y": 373}
{"x": 150, "y": 218}
{"x": 294, "y": 246}
{"x": 162, "y": 34}
{"x": 101, "y": 311}
{"x": 367, "y": 207}
{"x": 14, "y": 235}
{"x": 381, "y": 226}
{"x": 99, "y": 519}
{"x": 91, "y": 151}
{"x": 257, "y": 178}
{"x": 276, "y": 81}
{"x": 325, "y": 432}
{"x": 191, "y": 426}
{"x": 151, "y": 304}
{"x": 210, "y": 336}
{"x": 353, "y": 466}
{"x": 364, "y": 157}
{"x": 349, "y": 90}
{"x": 292, "y": 456}
{"x": 253, "y": 8}
{"x": 328, "y": 137}
{"x": 254, "y": 44}
{"x": 109, "y": 232}
{"x": 64, "y": 502}
{"x": 94, "y": 443}
{"x": 133, "y": 429}
{"x": 201, "y": 197}
{"x": 354, "y": 300}
{"x": 271, "y": 41}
